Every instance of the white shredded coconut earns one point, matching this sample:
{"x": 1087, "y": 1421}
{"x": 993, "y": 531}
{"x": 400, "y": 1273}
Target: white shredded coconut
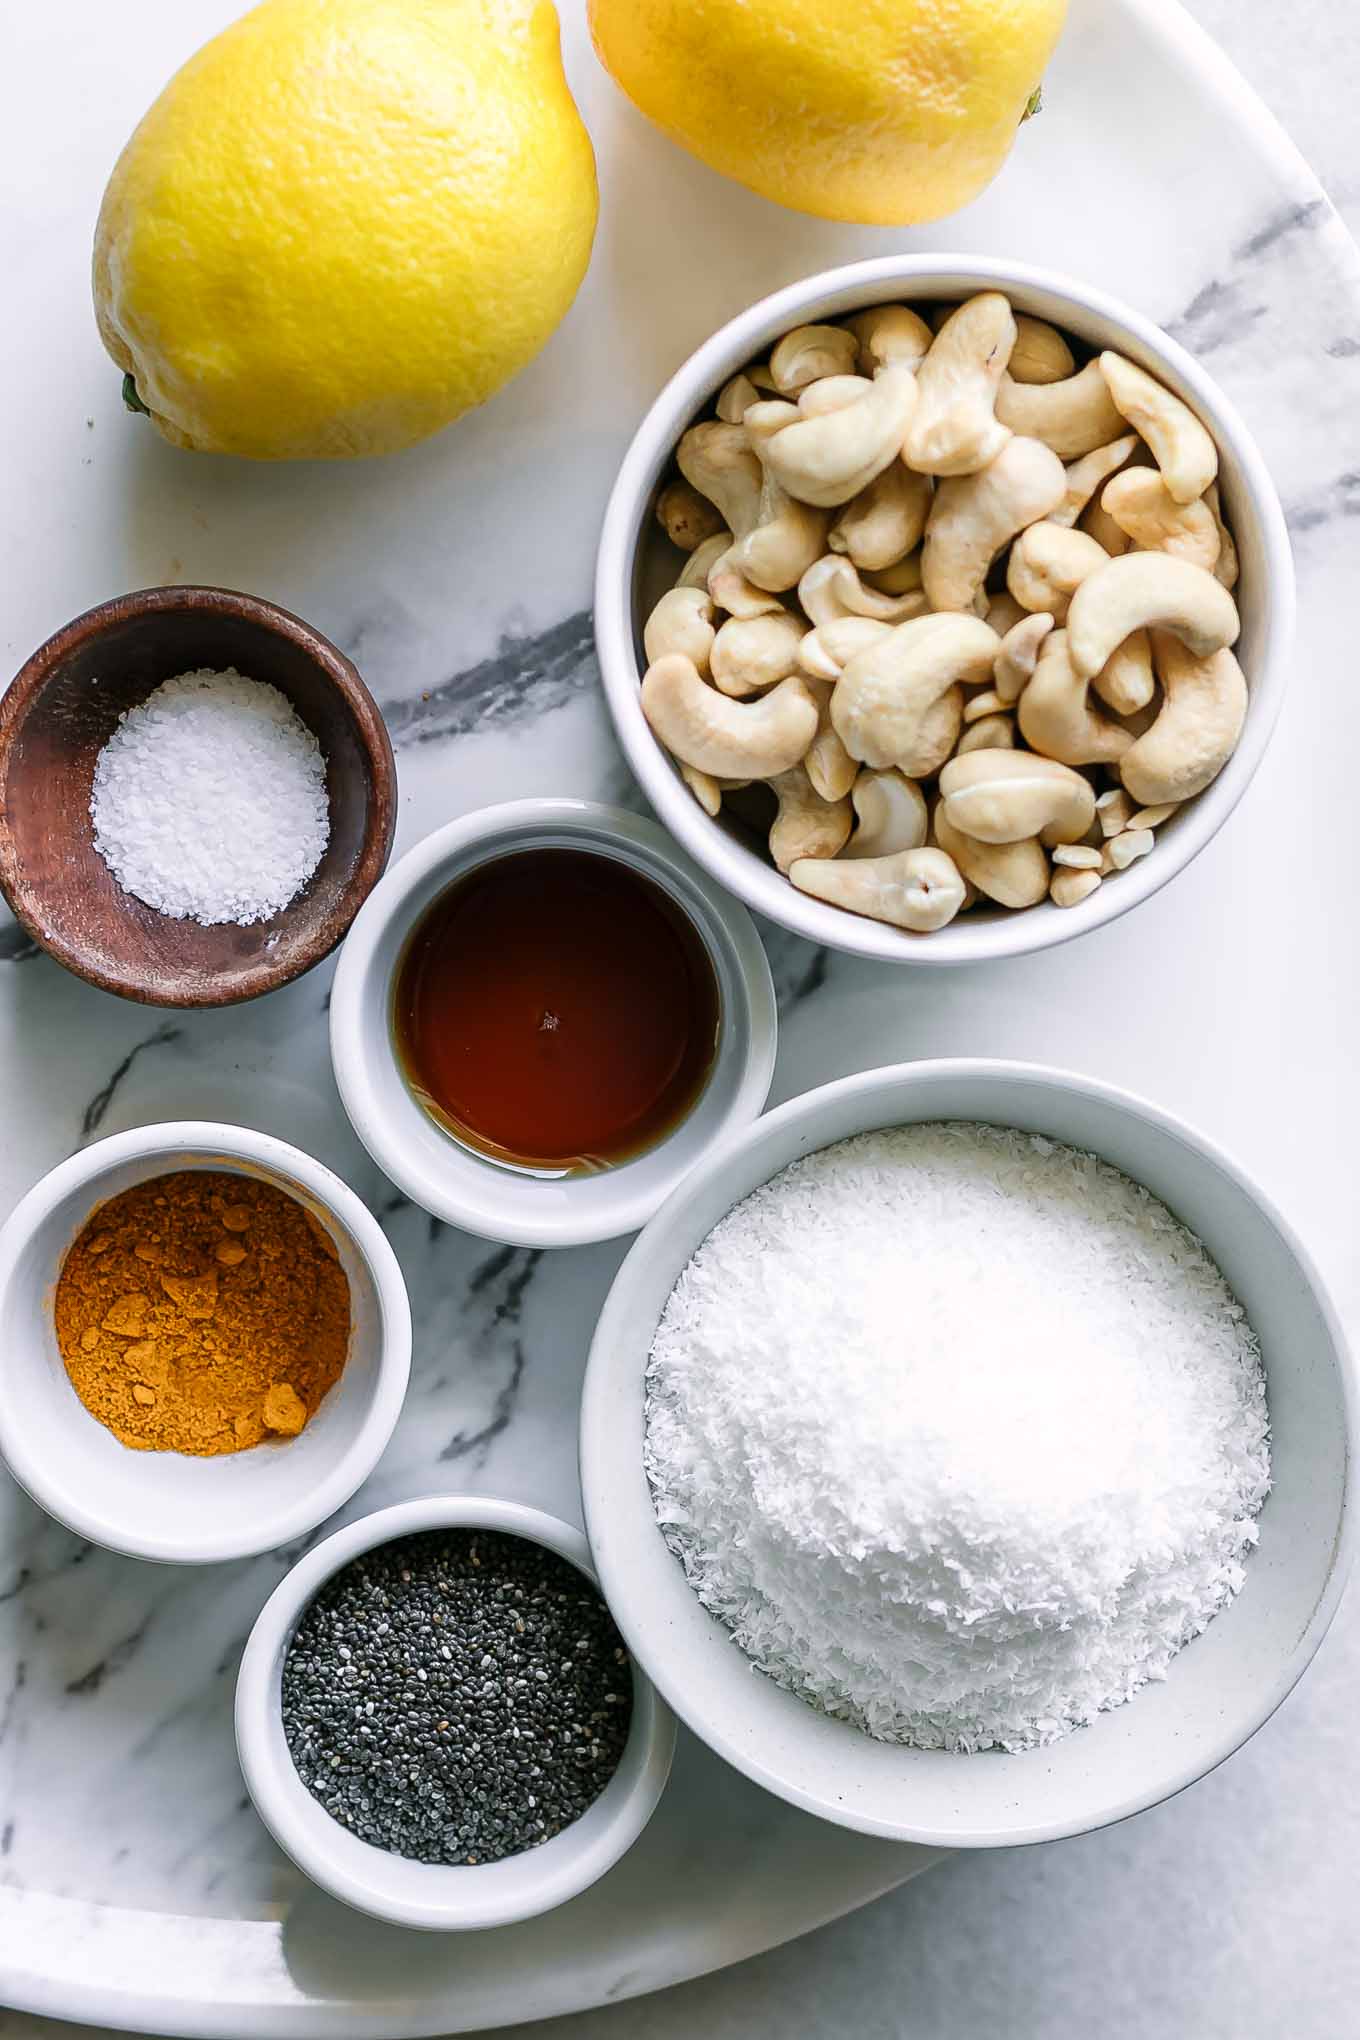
{"x": 960, "y": 1432}
{"x": 209, "y": 799}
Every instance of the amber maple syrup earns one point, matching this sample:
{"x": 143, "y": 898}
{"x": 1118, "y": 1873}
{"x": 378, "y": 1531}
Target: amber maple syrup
{"x": 556, "y": 1010}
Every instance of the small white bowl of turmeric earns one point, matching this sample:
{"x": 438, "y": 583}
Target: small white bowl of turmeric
{"x": 207, "y": 1341}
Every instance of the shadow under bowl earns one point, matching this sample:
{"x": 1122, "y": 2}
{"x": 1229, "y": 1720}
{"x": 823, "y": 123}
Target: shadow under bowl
{"x": 61, "y": 710}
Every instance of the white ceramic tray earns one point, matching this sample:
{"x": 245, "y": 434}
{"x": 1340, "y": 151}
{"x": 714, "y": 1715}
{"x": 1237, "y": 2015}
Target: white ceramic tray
{"x": 136, "y": 1888}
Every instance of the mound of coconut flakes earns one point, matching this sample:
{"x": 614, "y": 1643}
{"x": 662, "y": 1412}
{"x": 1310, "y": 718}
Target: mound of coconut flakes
{"x": 961, "y": 1433}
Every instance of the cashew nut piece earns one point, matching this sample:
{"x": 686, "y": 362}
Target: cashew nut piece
{"x": 1048, "y": 563}
{"x": 1072, "y": 417}
{"x": 888, "y": 334}
{"x": 1148, "y": 590}
{"x": 1005, "y": 796}
{"x": 1125, "y": 849}
{"x": 832, "y": 588}
{"x": 884, "y": 522}
{"x": 1181, "y": 447}
{"x": 891, "y": 815}
{"x": 919, "y": 890}
{"x": 900, "y": 701}
{"x": 1126, "y": 682}
{"x": 1225, "y": 568}
{"x": 983, "y": 702}
{"x": 788, "y": 536}
{"x": 1113, "y": 811}
{"x": 973, "y": 516}
{"x": 735, "y": 399}
{"x": 717, "y": 459}
{"x": 732, "y": 591}
{"x": 1153, "y": 817}
{"x": 1084, "y": 477}
{"x": 750, "y": 654}
{"x": 681, "y": 622}
{"x": 729, "y": 739}
{"x": 707, "y": 790}
{"x": 1019, "y": 654}
{"x": 701, "y": 562}
{"x": 829, "y": 765}
{"x": 1070, "y": 888}
{"x": 1097, "y": 523}
{"x": 1015, "y": 875}
{"x": 829, "y": 458}
{"x": 806, "y": 825}
{"x": 903, "y": 578}
{"x": 955, "y": 429}
{"x": 1141, "y": 504}
{"x": 686, "y": 517}
{"x": 994, "y": 732}
{"x": 1040, "y": 354}
{"x": 1081, "y": 856}
{"x": 823, "y": 652}
{"x": 1203, "y": 708}
{"x": 810, "y": 352}
{"x": 1056, "y": 718}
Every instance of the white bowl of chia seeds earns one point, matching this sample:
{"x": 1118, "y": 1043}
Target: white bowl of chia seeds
{"x": 849, "y": 1633}
{"x": 438, "y": 1721}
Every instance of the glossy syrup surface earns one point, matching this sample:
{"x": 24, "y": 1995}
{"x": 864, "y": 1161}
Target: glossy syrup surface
{"x": 556, "y": 1010}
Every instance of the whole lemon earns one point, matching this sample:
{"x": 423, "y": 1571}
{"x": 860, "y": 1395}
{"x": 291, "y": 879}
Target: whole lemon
{"x": 344, "y": 222}
{"x": 887, "y": 112}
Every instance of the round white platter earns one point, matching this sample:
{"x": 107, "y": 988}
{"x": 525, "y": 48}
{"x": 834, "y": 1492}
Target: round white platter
{"x": 136, "y": 1889}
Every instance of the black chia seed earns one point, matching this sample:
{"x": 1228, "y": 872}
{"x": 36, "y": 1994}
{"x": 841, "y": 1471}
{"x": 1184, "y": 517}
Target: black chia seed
{"x": 457, "y": 1696}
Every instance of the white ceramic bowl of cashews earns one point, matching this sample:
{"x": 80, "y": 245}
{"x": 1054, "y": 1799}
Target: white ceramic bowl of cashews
{"x": 915, "y": 617}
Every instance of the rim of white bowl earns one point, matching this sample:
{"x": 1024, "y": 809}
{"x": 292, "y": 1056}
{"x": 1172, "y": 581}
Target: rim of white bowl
{"x": 488, "y": 1899}
{"x": 355, "y": 1025}
{"x": 596, "y": 1458}
{"x": 168, "y": 1138}
{"x": 827, "y": 294}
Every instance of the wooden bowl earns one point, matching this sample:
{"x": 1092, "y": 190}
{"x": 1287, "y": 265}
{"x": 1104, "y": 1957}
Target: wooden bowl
{"x": 61, "y": 710}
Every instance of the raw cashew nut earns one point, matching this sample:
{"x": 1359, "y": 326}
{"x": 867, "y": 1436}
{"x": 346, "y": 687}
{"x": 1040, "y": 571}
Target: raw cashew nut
{"x": 1204, "y": 707}
{"x": 973, "y": 516}
{"x": 1005, "y": 796}
{"x": 990, "y": 733}
{"x": 1181, "y": 447}
{"x": 890, "y": 334}
{"x": 1015, "y": 875}
{"x": 1056, "y": 718}
{"x": 735, "y": 399}
{"x": 1040, "y": 354}
{"x": 831, "y": 588}
{"x": 1141, "y": 504}
{"x": 829, "y": 458}
{"x": 824, "y": 652}
{"x": 1019, "y": 654}
{"x": 1070, "y": 888}
{"x": 732, "y": 591}
{"x": 806, "y": 825}
{"x": 750, "y": 654}
{"x": 707, "y": 790}
{"x": 686, "y": 517}
{"x": 1085, "y": 476}
{"x": 919, "y": 890}
{"x": 718, "y": 460}
{"x": 1126, "y": 682}
{"x": 787, "y": 538}
{"x": 1225, "y": 569}
{"x": 829, "y": 765}
{"x": 884, "y": 522}
{"x": 903, "y": 578}
{"x": 900, "y": 701}
{"x": 729, "y": 739}
{"x": 681, "y": 622}
{"x": 1096, "y": 522}
{"x": 891, "y": 814}
{"x": 810, "y": 352}
{"x": 983, "y": 702}
{"x": 1048, "y": 563}
{"x": 1142, "y": 590}
{"x": 1072, "y": 417}
{"x": 701, "y": 562}
{"x": 832, "y": 393}
{"x": 955, "y": 429}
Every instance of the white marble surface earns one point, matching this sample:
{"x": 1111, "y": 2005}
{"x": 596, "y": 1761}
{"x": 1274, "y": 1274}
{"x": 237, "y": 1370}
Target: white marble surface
{"x": 1231, "y": 998}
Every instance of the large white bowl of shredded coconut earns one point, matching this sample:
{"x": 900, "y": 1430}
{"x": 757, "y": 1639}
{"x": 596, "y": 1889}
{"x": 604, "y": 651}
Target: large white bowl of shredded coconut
{"x": 965, "y": 1453}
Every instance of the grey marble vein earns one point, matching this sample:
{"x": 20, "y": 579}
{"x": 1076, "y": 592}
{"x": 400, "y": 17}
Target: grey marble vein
{"x": 524, "y": 677}
{"x": 96, "y": 1111}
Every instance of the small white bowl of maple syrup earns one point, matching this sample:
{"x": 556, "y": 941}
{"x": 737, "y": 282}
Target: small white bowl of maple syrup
{"x": 544, "y": 1016}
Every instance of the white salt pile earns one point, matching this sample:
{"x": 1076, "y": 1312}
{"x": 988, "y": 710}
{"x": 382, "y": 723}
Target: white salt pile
{"x": 961, "y": 1433}
{"x": 209, "y": 799}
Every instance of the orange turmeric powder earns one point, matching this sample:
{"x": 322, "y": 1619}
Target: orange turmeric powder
{"x": 202, "y": 1312}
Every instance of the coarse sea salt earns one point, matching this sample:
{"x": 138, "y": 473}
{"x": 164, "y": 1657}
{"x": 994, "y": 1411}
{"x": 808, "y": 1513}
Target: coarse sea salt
{"x": 961, "y": 1433}
{"x": 209, "y": 800}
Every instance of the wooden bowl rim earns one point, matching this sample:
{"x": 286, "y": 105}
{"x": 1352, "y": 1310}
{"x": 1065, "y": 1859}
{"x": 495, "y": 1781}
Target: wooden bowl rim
{"x": 379, "y": 823}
